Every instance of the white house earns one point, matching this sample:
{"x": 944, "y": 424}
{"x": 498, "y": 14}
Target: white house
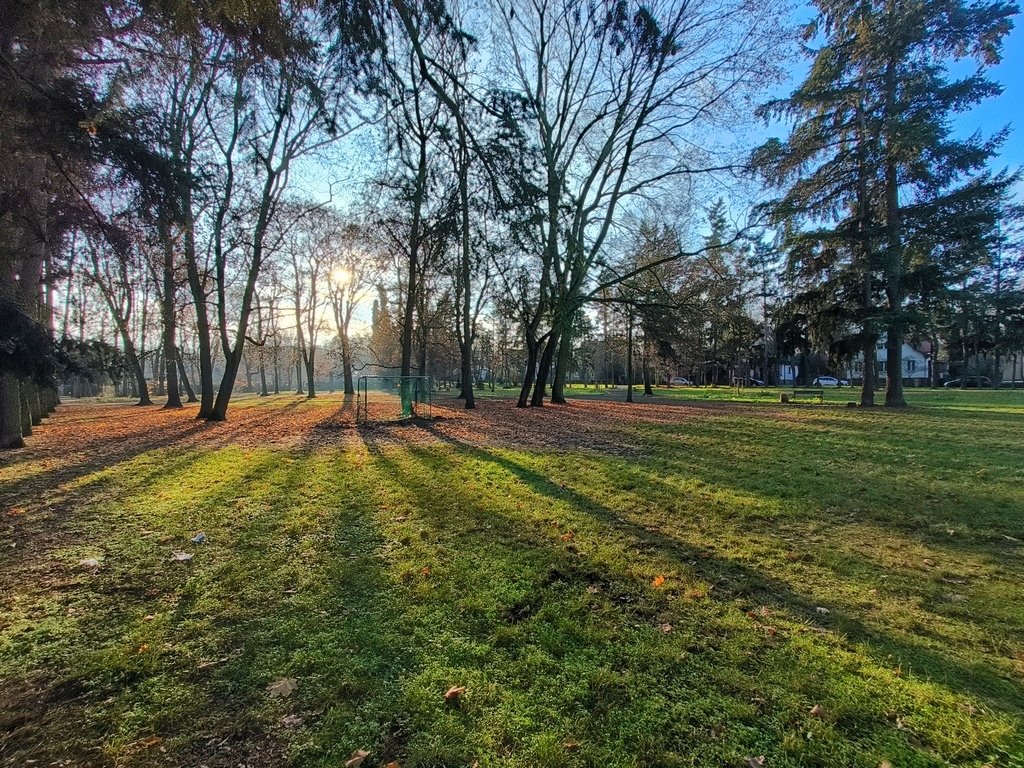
{"x": 913, "y": 365}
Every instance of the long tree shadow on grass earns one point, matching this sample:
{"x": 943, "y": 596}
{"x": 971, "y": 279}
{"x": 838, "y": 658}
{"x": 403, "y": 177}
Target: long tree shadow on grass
{"x": 749, "y": 588}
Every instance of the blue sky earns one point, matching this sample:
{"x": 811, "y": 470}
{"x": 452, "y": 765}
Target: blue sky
{"x": 1007, "y": 109}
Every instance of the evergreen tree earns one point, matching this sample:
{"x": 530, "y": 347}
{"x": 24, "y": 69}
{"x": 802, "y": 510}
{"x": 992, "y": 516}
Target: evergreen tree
{"x": 871, "y": 168}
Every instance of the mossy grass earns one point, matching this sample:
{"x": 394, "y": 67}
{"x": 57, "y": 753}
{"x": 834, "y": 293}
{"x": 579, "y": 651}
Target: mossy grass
{"x": 820, "y": 586}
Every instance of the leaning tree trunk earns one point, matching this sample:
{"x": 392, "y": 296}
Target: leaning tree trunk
{"x": 530, "y": 375}
{"x": 183, "y": 377}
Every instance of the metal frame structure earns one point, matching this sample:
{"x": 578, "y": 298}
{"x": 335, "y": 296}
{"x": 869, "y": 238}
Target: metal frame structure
{"x": 414, "y": 393}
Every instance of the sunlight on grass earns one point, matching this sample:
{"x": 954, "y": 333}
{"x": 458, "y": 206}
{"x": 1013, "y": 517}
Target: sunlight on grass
{"x": 820, "y": 586}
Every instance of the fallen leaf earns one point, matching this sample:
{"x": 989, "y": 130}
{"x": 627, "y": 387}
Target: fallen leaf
{"x": 658, "y": 581}
{"x": 282, "y": 688}
{"x": 426, "y": 571}
{"x": 291, "y": 721}
{"x": 593, "y": 589}
{"x": 823, "y": 611}
{"x": 399, "y": 519}
{"x": 928, "y": 561}
{"x": 817, "y": 711}
{"x": 90, "y": 562}
{"x": 570, "y": 745}
{"x": 143, "y": 648}
{"x": 790, "y": 556}
{"x": 150, "y": 741}
{"x": 453, "y": 693}
{"x": 182, "y": 557}
{"x": 665, "y": 627}
{"x": 567, "y": 536}
{"x": 754, "y": 762}
{"x": 392, "y": 764}
{"x": 357, "y": 758}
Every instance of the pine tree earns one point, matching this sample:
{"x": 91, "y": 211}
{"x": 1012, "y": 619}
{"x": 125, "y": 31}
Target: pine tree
{"x": 871, "y": 168}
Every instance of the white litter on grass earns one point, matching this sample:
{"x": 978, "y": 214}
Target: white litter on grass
{"x": 199, "y": 538}
{"x": 182, "y": 557}
{"x": 90, "y": 562}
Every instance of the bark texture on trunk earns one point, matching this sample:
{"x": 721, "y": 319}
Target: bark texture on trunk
{"x": 541, "y": 382}
{"x": 10, "y": 412}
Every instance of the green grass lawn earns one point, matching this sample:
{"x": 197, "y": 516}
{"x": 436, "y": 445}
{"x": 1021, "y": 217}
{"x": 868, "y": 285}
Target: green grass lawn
{"x": 817, "y": 585}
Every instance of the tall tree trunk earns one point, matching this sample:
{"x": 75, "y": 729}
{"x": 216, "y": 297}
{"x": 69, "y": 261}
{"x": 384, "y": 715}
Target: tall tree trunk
{"x": 346, "y": 364}
{"x": 894, "y": 263}
{"x": 563, "y": 359}
{"x": 530, "y": 374}
{"x": 466, "y": 336}
{"x": 10, "y": 412}
{"x": 168, "y": 310}
{"x": 298, "y": 377}
{"x": 868, "y": 349}
{"x": 629, "y": 358}
{"x": 310, "y": 364}
{"x": 26, "y": 412}
{"x": 183, "y": 377}
{"x": 199, "y": 300}
{"x": 541, "y": 383}
{"x": 648, "y": 392}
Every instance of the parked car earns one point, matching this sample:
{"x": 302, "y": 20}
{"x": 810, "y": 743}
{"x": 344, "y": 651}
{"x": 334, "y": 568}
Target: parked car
{"x": 756, "y": 383}
{"x": 680, "y": 381}
{"x": 972, "y": 382}
{"x": 1018, "y": 384}
{"x": 830, "y": 381}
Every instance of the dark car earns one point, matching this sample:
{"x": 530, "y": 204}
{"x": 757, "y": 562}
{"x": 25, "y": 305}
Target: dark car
{"x": 972, "y": 382}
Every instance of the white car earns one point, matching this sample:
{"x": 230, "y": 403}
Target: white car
{"x": 679, "y": 381}
{"x": 830, "y": 381}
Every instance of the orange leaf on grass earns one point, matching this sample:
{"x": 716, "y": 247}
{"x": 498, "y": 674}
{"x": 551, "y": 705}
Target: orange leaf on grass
{"x": 454, "y": 692}
{"x": 567, "y": 536}
{"x": 658, "y": 581}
